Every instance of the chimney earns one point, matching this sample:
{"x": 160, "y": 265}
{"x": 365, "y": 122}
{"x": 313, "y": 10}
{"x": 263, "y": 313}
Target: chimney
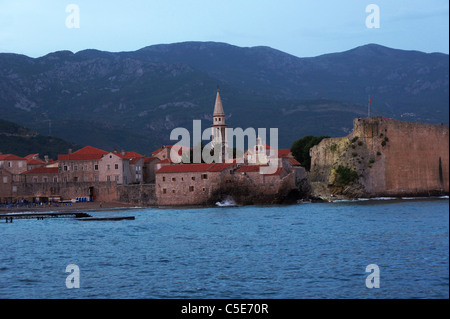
{"x": 123, "y": 152}
{"x": 115, "y": 150}
{"x": 70, "y": 151}
{"x": 46, "y": 158}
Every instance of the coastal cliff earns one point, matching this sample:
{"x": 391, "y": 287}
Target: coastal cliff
{"x": 382, "y": 157}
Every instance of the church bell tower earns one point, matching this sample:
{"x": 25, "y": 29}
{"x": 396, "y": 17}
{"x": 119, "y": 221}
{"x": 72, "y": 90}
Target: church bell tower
{"x": 219, "y": 127}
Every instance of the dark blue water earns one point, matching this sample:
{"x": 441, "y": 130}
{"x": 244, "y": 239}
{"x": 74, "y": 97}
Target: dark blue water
{"x": 298, "y": 251}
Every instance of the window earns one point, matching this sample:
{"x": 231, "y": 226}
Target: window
{"x": 75, "y": 179}
{"x": 55, "y": 179}
{"x": 75, "y": 168}
{"x": 35, "y": 179}
{"x": 45, "y": 179}
{"x": 164, "y": 178}
{"x": 5, "y": 179}
{"x": 204, "y": 176}
{"x": 20, "y": 164}
{"x": 191, "y": 188}
{"x": 174, "y": 179}
{"x": 14, "y": 189}
{"x": 204, "y": 189}
{"x": 116, "y": 178}
{"x": 164, "y": 191}
{"x": 116, "y": 166}
{"x": 193, "y": 178}
{"x": 9, "y": 164}
{"x": 65, "y": 167}
{"x": 108, "y": 167}
{"x": 108, "y": 178}
{"x": 173, "y": 191}
{"x": 96, "y": 167}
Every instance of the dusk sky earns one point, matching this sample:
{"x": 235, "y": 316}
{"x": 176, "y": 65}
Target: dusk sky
{"x": 302, "y": 28}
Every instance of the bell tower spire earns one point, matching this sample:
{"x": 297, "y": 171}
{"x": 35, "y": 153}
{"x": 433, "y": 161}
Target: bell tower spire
{"x": 219, "y": 126}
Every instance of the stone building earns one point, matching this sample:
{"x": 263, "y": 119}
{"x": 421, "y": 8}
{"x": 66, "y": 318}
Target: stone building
{"x": 149, "y": 169}
{"x": 13, "y": 163}
{"x": 263, "y": 154}
{"x": 165, "y": 153}
{"x": 191, "y": 184}
{"x": 114, "y": 167}
{"x": 41, "y": 175}
{"x": 81, "y": 166}
{"x": 6, "y": 191}
{"x": 197, "y": 184}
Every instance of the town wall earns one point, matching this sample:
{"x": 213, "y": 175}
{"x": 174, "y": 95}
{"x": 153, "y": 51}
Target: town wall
{"x": 100, "y": 191}
{"x": 141, "y": 195}
{"x": 390, "y": 158}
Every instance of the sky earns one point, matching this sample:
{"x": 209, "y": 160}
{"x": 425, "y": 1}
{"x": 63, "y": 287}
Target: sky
{"x": 303, "y": 28}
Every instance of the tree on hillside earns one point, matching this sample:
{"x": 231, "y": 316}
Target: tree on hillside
{"x": 300, "y": 149}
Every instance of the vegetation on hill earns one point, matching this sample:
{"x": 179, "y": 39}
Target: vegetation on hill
{"x": 300, "y": 149}
{"x": 18, "y": 140}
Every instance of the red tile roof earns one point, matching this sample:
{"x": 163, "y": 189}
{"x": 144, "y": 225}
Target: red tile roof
{"x": 164, "y": 161}
{"x": 11, "y": 157}
{"x": 248, "y": 168}
{"x": 294, "y": 162}
{"x": 33, "y": 161}
{"x": 219, "y": 167}
{"x": 184, "y": 168}
{"x": 42, "y": 170}
{"x": 200, "y": 167}
{"x": 135, "y": 159}
{"x": 284, "y": 152}
{"x": 86, "y": 153}
{"x": 128, "y": 155}
{"x": 31, "y": 156}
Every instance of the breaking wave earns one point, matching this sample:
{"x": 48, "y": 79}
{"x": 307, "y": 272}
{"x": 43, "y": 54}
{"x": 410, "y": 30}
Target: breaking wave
{"x": 227, "y": 202}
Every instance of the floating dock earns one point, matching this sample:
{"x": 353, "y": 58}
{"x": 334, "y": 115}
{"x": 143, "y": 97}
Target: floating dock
{"x": 9, "y": 217}
{"x": 106, "y": 218}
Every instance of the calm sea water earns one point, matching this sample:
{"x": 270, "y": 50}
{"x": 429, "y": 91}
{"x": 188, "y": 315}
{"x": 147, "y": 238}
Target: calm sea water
{"x": 297, "y": 251}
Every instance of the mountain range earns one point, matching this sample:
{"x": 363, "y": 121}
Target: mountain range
{"x": 132, "y": 100}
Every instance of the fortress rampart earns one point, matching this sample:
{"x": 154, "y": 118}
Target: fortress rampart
{"x": 388, "y": 158}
